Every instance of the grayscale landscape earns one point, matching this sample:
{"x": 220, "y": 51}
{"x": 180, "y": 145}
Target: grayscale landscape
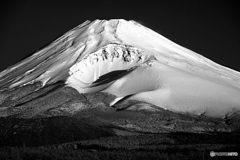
{"x": 115, "y": 89}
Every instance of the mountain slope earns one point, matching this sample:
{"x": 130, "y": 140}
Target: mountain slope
{"x": 131, "y": 62}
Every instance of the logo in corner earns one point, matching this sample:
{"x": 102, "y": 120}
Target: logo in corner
{"x": 212, "y": 154}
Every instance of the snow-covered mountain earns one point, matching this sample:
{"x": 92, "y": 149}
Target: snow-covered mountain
{"x": 126, "y": 59}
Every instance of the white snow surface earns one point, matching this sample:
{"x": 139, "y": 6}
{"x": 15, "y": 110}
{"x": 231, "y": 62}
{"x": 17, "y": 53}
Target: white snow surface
{"x": 125, "y": 58}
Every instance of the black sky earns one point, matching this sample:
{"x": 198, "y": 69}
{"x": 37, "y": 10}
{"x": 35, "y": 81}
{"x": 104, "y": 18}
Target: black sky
{"x": 210, "y": 28}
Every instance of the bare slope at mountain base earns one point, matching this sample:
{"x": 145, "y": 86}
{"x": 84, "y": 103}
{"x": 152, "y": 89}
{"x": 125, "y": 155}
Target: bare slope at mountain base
{"x": 88, "y": 116}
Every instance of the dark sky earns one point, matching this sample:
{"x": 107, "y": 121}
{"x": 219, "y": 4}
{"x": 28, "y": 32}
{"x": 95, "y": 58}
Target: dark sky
{"x": 210, "y": 28}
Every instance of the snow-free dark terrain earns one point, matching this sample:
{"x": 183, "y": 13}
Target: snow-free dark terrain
{"x": 116, "y": 85}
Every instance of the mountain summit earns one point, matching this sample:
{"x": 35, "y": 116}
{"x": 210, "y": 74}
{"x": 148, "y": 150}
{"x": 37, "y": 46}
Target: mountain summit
{"x": 131, "y": 62}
